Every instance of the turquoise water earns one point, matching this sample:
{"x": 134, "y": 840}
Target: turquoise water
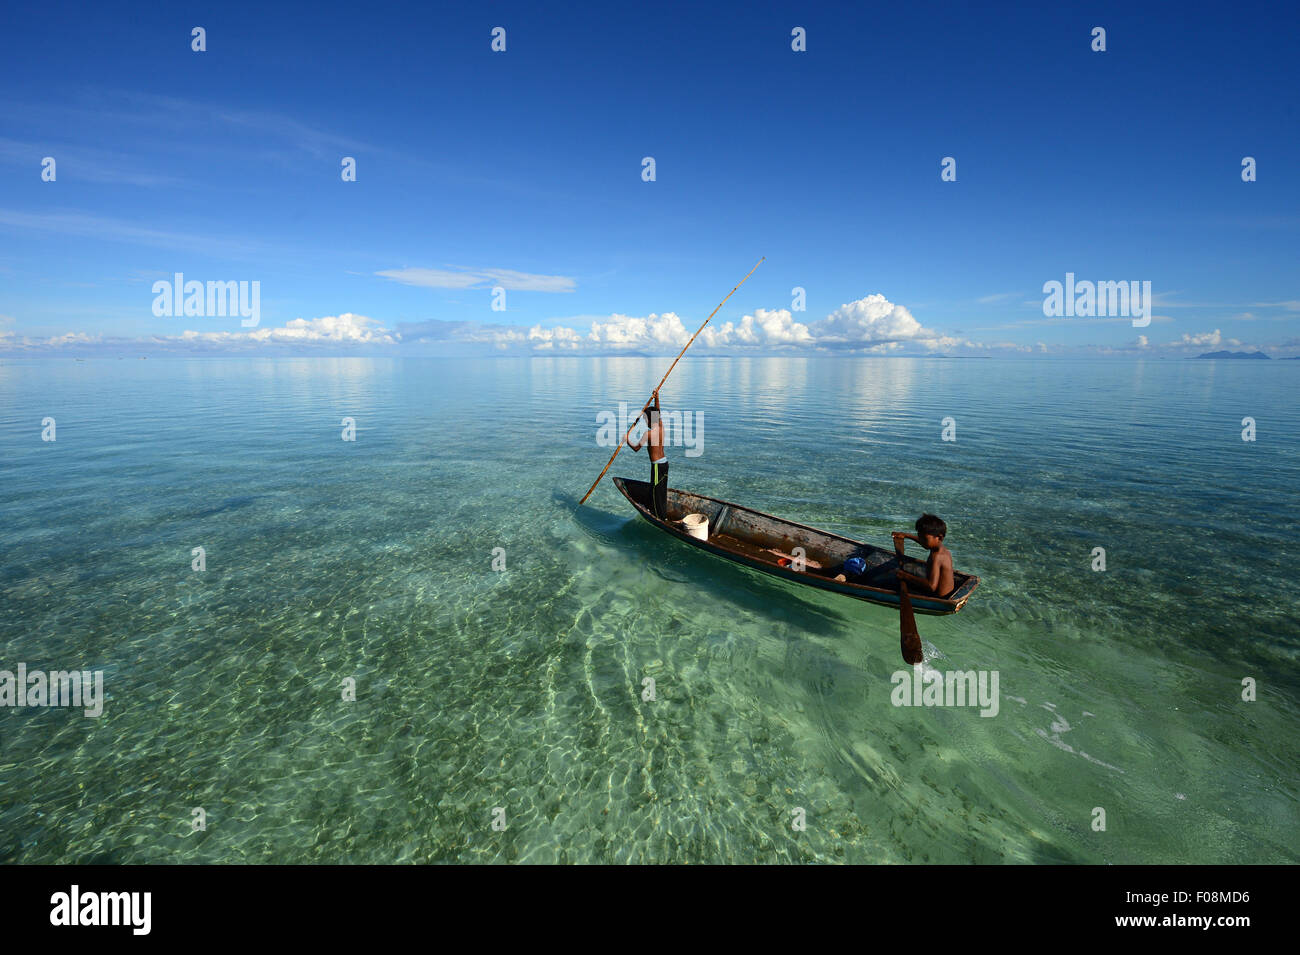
{"x": 522, "y": 689}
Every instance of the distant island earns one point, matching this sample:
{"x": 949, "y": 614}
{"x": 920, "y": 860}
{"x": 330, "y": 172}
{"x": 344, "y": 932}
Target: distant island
{"x": 1234, "y": 354}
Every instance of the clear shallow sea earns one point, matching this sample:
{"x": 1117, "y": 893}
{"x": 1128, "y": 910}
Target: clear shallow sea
{"x": 522, "y": 689}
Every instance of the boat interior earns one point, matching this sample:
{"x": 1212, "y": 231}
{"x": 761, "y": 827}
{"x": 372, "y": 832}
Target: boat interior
{"x": 756, "y": 536}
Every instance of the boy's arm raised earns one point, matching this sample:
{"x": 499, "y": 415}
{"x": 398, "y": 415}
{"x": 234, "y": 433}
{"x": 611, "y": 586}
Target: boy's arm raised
{"x": 628, "y": 437}
{"x": 899, "y": 537}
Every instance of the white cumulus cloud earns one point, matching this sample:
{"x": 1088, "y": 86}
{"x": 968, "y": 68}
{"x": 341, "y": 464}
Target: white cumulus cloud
{"x": 868, "y": 320}
{"x": 763, "y": 328}
{"x": 337, "y": 329}
{"x": 873, "y": 325}
{"x": 1205, "y": 338}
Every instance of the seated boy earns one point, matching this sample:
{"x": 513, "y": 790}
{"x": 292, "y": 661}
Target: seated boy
{"x": 930, "y": 532}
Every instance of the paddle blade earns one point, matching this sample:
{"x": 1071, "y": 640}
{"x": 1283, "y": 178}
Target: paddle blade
{"x": 910, "y": 639}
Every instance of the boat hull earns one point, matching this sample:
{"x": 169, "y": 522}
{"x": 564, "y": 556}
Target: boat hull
{"x": 743, "y": 535}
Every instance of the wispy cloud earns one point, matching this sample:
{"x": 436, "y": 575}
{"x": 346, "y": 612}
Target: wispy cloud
{"x": 1073, "y": 320}
{"x": 180, "y": 126}
{"x": 317, "y": 142}
{"x": 1161, "y": 299}
{"x": 999, "y": 297}
{"x": 100, "y": 227}
{"x": 172, "y": 112}
{"x": 75, "y": 163}
{"x": 458, "y": 278}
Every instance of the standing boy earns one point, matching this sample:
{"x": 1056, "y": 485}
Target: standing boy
{"x": 658, "y": 461}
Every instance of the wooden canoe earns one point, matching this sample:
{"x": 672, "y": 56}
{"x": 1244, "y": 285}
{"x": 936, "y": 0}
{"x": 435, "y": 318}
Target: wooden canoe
{"x": 747, "y": 537}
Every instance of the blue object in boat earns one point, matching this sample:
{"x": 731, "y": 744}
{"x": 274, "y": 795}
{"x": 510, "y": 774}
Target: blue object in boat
{"x": 855, "y": 566}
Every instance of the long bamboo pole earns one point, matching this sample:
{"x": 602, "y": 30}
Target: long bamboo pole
{"x": 665, "y": 378}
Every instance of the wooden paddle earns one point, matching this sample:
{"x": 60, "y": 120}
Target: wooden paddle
{"x": 909, "y": 637}
{"x": 665, "y": 378}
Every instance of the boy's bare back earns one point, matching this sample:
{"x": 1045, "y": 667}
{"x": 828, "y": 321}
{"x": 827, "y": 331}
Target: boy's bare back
{"x": 941, "y": 561}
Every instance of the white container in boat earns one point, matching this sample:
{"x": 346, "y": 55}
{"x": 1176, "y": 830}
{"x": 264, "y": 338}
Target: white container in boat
{"x": 697, "y": 525}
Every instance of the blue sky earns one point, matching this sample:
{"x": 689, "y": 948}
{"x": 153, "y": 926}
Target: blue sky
{"x": 523, "y": 169}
